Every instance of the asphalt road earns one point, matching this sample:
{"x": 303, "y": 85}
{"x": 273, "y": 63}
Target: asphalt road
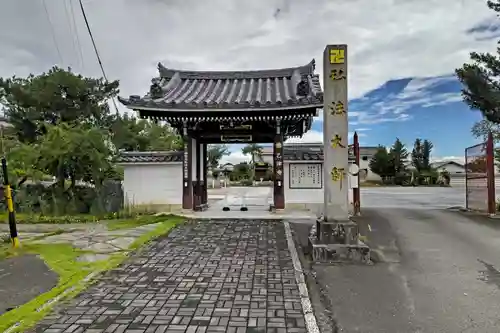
{"x": 440, "y": 274}
{"x": 412, "y": 197}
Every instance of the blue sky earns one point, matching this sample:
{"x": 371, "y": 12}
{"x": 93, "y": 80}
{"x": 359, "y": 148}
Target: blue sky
{"x": 426, "y": 108}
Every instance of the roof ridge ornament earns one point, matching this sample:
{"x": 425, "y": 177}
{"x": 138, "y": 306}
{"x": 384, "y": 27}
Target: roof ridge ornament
{"x": 155, "y": 89}
{"x": 303, "y": 88}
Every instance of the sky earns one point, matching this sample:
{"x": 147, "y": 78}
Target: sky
{"x": 402, "y": 53}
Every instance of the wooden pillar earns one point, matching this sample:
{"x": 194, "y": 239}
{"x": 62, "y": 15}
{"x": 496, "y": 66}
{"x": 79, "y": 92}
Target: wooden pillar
{"x": 279, "y": 189}
{"x": 205, "y": 169}
{"x": 187, "y": 190}
{"x": 197, "y": 182}
{"x": 490, "y": 174}
{"x": 356, "y": 195}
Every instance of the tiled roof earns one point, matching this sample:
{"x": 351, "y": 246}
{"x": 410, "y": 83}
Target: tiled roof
{"x": 288, "y": 88}
{"x": 291, "y": 152}
{"x": 150, "y": 156}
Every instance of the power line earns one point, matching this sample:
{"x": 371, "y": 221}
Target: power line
{"x": 79, "y": 45}
{"x": 52, "y": 31}
{"x": 95, "y": 49}
{"x": 71, "y": 31}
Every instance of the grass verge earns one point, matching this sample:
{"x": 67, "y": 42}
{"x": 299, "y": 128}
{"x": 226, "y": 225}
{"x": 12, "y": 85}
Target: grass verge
{"x": 139, "y": 221}
{"x": 62, "y": 259}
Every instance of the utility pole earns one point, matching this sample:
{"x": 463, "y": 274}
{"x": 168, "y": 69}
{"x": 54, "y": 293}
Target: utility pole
{"x": 10, "y": 205}
{"x": 8, "y": 196}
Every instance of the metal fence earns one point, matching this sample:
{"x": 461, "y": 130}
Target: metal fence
{"x": 480, "y": 177}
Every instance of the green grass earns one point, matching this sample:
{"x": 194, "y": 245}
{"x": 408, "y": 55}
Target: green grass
{"x": 61, "y": 258}
{"x": 139, "y": 221}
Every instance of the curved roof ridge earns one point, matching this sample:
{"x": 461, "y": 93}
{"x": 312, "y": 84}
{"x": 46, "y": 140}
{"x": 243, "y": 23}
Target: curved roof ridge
{"x": 307, "y": 69}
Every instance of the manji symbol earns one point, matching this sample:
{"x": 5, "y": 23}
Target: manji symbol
{"x": 337, "y": 109}
{"x": 337, "y": 56}
{"x": 337, "y": 175}
{"x": 337, "y": 74}
{"x": 336, "y": 141}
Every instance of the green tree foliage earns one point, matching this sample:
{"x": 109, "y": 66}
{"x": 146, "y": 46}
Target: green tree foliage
{"x": 416, "y": 155}
{"x": 255, "y": 151}
{"x": 426, "y": 155}
{"x": 57, "y": 96}
{"x": 380, "y": 163}
{"x": 480, "y": 79}
{"x": 215, "y": 154}
{"x": 421, "y": 155}
{"x": 241, "y": 171}
{"x": 481, "y": 130}
{"x": 398, "y": 156}
{"x": 132, "y": 134}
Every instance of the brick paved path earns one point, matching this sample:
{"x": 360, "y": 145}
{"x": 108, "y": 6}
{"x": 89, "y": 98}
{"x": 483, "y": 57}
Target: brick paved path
{"x": 208, "y": 276}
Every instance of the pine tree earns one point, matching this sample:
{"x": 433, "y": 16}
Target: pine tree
{"x": 480, "y": 79}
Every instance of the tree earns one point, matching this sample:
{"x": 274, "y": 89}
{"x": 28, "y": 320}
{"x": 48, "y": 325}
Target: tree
{"x": 57, "y": 96}
{"x": 380, "y": 163}
{"x": 416, "y": 155}
{"x": 75, "y": 153}
{"x": 426, "y": 155}
{"x": 215, "y": 154}
{"x": 255, "y": 150}
{"x": 480, "y": 79}
{"x": 132, "y": 134}
{"x": 482, "y": 128}
{"x": 398, "y": 156}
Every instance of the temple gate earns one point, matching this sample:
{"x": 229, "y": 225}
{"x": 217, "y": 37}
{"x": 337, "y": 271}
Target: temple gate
{"x": 210, "y": 107}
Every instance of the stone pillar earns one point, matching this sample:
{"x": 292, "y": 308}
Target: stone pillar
{"x": 187, "y": 190}
{"x": 204, "y": 174}
{"x": 335, "y": 134}
{"x": 279, "y": 188}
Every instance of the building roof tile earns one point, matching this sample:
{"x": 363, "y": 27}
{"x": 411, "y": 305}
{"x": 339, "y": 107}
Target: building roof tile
{"x": 287, "y": 88}
{"x": 150, "y": 156}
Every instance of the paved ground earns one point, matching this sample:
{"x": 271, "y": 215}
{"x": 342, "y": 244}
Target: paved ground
{"x": 441, "y": 275}
{"x": 22, "y": 279}
{"x": 224, "y": 276}
{"x": 412, "y": 197}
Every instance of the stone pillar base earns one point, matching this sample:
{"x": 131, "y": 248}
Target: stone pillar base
{"x": 339, "y": 253}
{"x": 335, "y": 242}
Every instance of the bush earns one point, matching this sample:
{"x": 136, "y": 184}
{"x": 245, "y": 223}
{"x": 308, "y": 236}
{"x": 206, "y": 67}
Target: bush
{"x": 50, "y": 200}
{"x": 246, "y": 182}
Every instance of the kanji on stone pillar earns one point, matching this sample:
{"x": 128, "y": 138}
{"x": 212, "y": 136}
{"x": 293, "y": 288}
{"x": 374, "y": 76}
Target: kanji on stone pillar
{"x": 335, "y": 134}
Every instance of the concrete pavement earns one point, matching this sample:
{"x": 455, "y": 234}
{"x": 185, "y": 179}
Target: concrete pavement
{"x": 441, "y": 275}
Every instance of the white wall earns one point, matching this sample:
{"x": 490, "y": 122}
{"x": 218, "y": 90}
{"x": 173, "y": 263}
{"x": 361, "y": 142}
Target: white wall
{"x": 452, "y": 168}
{"x": 364, "y": 164}
{"x": 153, "y": 183}
{"x": 303, "y": 196}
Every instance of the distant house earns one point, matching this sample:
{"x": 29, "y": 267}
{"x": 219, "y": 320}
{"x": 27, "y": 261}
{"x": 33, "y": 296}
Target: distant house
{"x": 452, "y": 167}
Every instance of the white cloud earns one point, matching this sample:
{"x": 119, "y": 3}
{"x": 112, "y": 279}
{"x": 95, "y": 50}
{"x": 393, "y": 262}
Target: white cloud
{"x": 235, "y": 157}
{"x": 387, "y": 39}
